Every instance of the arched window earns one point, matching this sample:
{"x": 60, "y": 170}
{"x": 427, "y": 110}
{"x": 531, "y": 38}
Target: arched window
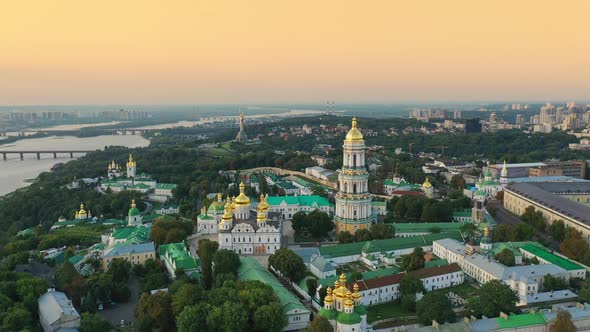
{"x": 354, "y": 160}
{"x": 354, "y": 188}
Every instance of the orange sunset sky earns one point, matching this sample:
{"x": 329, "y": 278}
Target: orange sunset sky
{"x": 145, "y": 52}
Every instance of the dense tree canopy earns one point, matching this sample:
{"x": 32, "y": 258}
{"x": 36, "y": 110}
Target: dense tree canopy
{"x": 506, "y": 257}
{"x": 289, "y": 264}
{"x": 434, "y": 306}
{"x": 492, "y": 298}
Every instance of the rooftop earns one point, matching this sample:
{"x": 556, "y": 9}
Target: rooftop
{"x": 306, "y": 200}
{"x": 127, "y": 249}
{"x": 165, "y": 186}
{"x": 176, "y": 253}
{"x": 387, "y": 244}
{"x": 564, "y": 206}
{"x": 250, "y": 269}
{"x": 550, "y": 257}
{"x": 522, "y": 320}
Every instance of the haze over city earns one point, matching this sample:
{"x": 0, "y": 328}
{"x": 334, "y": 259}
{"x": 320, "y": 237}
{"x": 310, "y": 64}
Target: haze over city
{"x": 148, "y": 52}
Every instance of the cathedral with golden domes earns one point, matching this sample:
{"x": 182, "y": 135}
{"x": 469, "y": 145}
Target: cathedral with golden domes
{"x": 353, "y": 201}
{"x": 239, "y": 227}
{"x": 343, "y": 308}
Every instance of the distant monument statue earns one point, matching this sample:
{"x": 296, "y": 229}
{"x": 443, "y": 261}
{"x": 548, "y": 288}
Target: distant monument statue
{"x": 241, "y": 137}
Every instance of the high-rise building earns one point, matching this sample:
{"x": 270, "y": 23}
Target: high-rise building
{"x": 353, "y": 201}
{"x": 472, "y": 126}
{"x": 519, "y": 120}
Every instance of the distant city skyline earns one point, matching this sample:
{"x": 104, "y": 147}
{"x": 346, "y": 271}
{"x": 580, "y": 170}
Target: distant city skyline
{"x": 69, "y": 52}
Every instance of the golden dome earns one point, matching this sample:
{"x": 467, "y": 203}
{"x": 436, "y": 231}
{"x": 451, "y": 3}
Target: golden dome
{"x": 263, "y": 206}
{"x": 261, "y": 217}
{"x": 340, "y": 289}
{"x": 336, "y": 285}
{"x": 131, "y": 162}
{"x": 426, "y": 183}
{"x": 227, "y": 215}
{"x": 242, "y": 199}
{"x": 81, "y": 209}
{"x": 348, "y": 302}
{"x": 356, "y": 295}
{"x": 328, "y": 298}
{"x": 354, "y": 135}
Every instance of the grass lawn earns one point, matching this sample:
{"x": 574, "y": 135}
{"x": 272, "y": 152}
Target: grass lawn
{"x": 386, "y": 310}
{"x": 354, "y": 267}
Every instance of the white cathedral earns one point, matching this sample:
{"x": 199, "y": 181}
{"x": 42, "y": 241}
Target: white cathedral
{"x": 240, "y": 229}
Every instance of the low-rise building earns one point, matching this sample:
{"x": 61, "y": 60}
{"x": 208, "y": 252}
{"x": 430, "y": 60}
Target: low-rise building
{"x": 56, "y": 312}
{"x": 135, "y": 254}
{"x": 287, "y": 206}
{"x": 176, "y": 257}
{"x": 298, "y": 316}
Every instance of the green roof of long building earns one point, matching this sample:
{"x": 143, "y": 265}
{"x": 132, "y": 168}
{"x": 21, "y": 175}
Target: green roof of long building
{"x": 307, "y": 200}
{"x": 521, "y": 320}
{"x": 387, "y": 244}
{"x": 544, "y": 254}
{"x": 177, "y": 253}
{"x": 250, "y": 269}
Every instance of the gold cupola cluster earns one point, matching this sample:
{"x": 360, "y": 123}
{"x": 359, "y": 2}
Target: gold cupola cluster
{"x": 131, "y": 162}
{"x": 263, "y": 206}
{"x": 114, "y": 166}
{"x": 82, "y": 213}
{"x": 354, "y": 135}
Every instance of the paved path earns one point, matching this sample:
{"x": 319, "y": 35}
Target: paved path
{"x": 123, "y": 311}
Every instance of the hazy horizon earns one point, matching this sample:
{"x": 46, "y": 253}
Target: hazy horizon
{"x": 143, "y": 52}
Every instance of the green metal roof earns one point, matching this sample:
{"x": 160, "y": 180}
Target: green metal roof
{"x": 551, "y": 258}
{"x": 285, "y": 185}
{"x": 137, "y": 234}
{"x": 348, "y": 319}
{"x": 388, "y": 244}
{"x": 250, "y": 269}
{"x": 328, "y": 314}
{"x": 133, "y": 212}
{"x": 521, "y": 320}
{"x": 75, "y": 259}
{"x": 308, "y": 200}
{"x": 165, "y": 186}
{"x": 26, "y": 232}
{"x": 366, "y": 275}
{"x": 436, "y": 262}
{"x": 415, "y": 227}
{"x": 176, "y": 253}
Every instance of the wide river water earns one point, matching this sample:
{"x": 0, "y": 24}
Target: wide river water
{"x": 15, "y": 173}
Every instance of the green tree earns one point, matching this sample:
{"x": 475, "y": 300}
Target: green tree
{"x": 194, "y": 318}
{"x": 533, "y": 218}
{"x": 468, "y": 229}
{"x": 187, "y": 295}
{"x": 409, "y": 286}
{"x": 318, "y": 223}
{"x": 345, "y": 237}
{"x": 226, "y": 261}
{"x": 491, "y": 299}
{"x": 563, "y": 322}
{"x": 320, "y": 324}
{"x": 154, "y": 312}
{"x": 207, "y": 249}
{"x": 312, "y": 285}
{"x": 457, "y": 182}
{"x": 120, "y": 269}
{"x": 506, "y": 257}
{"x": 551, "y": 283}
{"x": 93, "y": 323}
{"x": 17, "y": 318}
{"x": 413, "y": 261}
{"x": 288, "y": 264}
{"x": 382, "y": 231}
{"x": 298, "y": 222}
{"x": 557, "y": 230}
{"x": 362, "y": 235}
{"x": 270, "y": 318}
{"x": 230, "y": 317}
{"x": 434, "y": 306}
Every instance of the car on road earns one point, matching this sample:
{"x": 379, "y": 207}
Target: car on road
{"x": 100, "y": 307}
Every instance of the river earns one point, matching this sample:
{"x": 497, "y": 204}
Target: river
{"x": 16, "y": 173}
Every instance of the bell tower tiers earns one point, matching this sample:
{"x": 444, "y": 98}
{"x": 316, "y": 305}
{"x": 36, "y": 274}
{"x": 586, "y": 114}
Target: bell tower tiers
{"x": 353, "y": 201}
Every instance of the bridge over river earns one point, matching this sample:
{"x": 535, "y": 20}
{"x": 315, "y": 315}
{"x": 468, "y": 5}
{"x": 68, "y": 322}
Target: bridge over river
{"x": 22, "y": 153}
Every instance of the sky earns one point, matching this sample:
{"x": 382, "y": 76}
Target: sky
{"x": 278, "y": 51}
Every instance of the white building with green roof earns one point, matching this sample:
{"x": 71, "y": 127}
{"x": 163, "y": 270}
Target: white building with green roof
{"x": 175, "y": 257}
{"x": 287, "y": 206}
{"x": 298, "y": 315}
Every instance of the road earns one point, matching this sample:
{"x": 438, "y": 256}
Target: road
{"x": 123, "y": 311}
{"x": 503, "y": 216}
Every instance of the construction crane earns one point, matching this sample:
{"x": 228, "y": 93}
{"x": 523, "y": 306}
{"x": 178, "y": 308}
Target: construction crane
{"x": 442, "y": 149}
